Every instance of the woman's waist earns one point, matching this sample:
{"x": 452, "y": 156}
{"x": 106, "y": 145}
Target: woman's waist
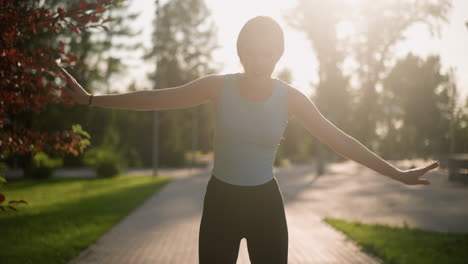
{"x": 248, "y": 185}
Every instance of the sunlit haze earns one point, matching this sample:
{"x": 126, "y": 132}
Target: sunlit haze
{"x": 229, "y": 17}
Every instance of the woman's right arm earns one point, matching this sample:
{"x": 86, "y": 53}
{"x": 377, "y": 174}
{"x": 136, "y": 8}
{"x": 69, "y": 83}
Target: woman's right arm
{"x": 188, "y": 95}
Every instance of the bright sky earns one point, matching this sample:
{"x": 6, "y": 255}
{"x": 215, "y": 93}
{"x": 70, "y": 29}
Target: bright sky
{"x": 229, "y": 17}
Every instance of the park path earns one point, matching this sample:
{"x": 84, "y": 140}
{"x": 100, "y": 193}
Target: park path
{"x": 353, "y": 192}
{"x": 165, "y": 228}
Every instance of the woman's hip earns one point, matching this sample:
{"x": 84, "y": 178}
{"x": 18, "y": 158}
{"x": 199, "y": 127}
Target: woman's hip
{"x": 259, "y": 198}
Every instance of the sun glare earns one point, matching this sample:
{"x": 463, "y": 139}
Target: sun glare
{"x": 344, "y": 29}
{"x": 352, "y": 2}
{"x": 297, "y": 57}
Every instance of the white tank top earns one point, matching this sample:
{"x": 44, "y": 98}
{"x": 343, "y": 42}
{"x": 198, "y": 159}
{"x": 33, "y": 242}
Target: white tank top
{"x": 247, "y": 134}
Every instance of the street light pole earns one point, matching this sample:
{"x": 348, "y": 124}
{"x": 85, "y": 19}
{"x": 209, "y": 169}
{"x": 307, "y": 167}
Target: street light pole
{"x": 194, "y": 134}
{"x": 156, "y": 112}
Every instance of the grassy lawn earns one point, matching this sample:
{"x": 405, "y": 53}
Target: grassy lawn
{"x": 64, "y": 216}
{"x": 406, "y": 245}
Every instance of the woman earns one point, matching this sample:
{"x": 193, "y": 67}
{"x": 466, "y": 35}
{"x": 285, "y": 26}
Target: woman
{"x": 243, "y": 199}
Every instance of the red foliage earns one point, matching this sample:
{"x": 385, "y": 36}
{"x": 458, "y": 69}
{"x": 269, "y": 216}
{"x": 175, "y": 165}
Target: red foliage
{"x": 28, "y": 74}
{"x": 10, "y": 203}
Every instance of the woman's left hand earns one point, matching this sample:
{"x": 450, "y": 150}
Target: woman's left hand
{"x": 413, "y": 176}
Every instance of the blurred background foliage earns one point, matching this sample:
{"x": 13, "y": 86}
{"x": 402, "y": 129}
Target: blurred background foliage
{"x": 401, "y": 108}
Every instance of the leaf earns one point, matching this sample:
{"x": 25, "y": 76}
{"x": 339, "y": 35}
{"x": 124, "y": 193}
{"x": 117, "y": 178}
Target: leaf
{"x": 72, "y": 57}
{"x": 100, "y": 10}
{"x": 60, "y": 11}
{"x": 2, "y": 198}
{"x": 77, "y": 129}
{"x": 94, "y": 18}
{"x": 74, "y": 29}
{"x": 18, "y": 202}
{"x": 82, "y": 19}
{"x": 12, "y": 208}
{"x": 62, "y": 46}
{"x": 83, "y": 5}
{"x": 39, "y": 81}
{"x": 12, "y": 53}
{"x": 107, "y": 20}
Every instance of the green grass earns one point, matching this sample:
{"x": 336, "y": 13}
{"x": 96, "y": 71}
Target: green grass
{"x": 406, "y": 245}
{"x": 64, "y": 216}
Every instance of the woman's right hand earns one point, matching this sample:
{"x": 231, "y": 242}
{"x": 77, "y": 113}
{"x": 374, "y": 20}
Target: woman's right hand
{"x": 74, "y": 89}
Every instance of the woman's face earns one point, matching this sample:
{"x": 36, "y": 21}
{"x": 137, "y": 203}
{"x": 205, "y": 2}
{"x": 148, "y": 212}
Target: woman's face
{"x": 259, "y": 58}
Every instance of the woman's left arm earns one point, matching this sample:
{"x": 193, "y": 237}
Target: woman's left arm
{"x": 305, "y": 111}
{"x": 356, "y": 151}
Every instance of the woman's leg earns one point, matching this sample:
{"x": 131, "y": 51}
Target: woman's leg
{"x": 219, "y": 235}
{"x": 267, "y": 239}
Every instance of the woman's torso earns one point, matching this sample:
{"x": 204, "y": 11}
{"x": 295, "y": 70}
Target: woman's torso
{"x": 248, "y": 131}
{"x": 218, "y": 86}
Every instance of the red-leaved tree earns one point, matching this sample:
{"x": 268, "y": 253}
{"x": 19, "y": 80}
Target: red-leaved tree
{"x": 29, "y": 73}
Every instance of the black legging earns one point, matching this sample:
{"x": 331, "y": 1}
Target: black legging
{"x": 232, "y": 212}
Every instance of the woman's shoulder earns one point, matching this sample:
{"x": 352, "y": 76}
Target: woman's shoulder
{"x": 215, "y": 82}
{"x": 286, "y": 87}
{"x": 292, "y": 91}
{"x": 218, "y": 79}
{"x": 294, "y": 96}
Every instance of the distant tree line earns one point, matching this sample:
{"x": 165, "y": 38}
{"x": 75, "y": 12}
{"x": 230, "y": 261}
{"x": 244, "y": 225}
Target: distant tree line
{"x": 400, "y": 107}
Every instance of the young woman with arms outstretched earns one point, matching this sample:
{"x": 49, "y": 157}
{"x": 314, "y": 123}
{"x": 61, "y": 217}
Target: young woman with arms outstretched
{"x": 243, "y": 199}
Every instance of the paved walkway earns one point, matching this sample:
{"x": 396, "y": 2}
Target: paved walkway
{"x": 165, "y": 228}
{"x": 351, "y": 191}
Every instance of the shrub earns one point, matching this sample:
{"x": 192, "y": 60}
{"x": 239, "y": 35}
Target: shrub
{"x": 43, "y": 165}
{"x": 106, "y": 161}
{"x": 3, "y": 168}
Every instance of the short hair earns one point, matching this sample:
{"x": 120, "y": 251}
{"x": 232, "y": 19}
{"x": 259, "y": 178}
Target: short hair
{"x": 258, "y": 26}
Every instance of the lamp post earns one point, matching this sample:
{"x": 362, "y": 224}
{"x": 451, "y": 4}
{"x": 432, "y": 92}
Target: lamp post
{"x": 156, "y": 112}
{"x": 194, "y": 134}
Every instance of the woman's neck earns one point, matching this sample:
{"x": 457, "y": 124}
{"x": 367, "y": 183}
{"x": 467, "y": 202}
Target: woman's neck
{"x": 255, "y": 81}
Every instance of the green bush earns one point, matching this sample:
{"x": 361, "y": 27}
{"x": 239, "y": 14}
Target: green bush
{"x": 194, "y": 159}
{"x": 106, "y": 161}
{"x": 43, "y": 165}
{"x": 3, "y": 168}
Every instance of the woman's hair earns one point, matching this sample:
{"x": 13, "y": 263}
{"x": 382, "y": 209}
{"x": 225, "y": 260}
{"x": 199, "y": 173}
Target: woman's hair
{"x": 259, "y": 27}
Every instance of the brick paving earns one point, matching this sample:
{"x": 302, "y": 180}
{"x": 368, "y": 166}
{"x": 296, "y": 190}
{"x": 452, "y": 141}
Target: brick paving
{"x": 351, "y": 191}
{"x": 165, "y": 228}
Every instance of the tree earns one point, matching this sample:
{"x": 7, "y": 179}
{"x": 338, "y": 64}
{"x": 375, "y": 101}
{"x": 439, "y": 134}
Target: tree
{"x": 296, "y": 140}
{"x": 379, "y": 26}
{"x": 99, "y": 54}
{"x": 318, "y": 19}
{"x": 184, "y": 39}
{"x": 29, "y": 73}
{"x": 419, "y": 120}
{"x": 461, "y": 129}
{"x": 375, "y": 28}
